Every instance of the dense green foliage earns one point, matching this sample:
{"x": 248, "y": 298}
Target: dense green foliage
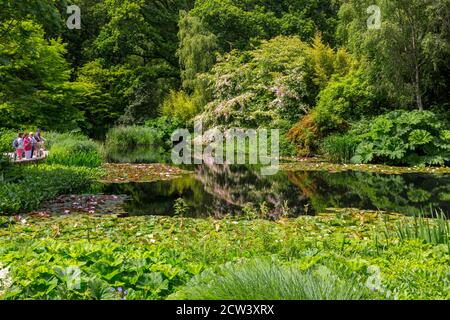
{"x": 73, "y": 150}
{"x": 267, "y": 83}
{"x": 42, "y": 78}
{"x": 179, "y": 106}
{"x": 154, "y": 257}
{"x": 33, "y": 185}
{"x": 273, "y": 85}
{"x": 342, "y": 101}
{"x": 6, "y": 139}
{"x": 123, "y": 58}
{"x": 407, "y": 58}
{"x": 131, "y": 137}
{"x": 334, "y": 83}
{"x": 414, "y": 138}
{"x": 310, "y": 68}
{"x": 399, "y": 137}
{"x": 70, "y": 168}
{"x": 241, "y": 24}
{"x": 134, "y": 144}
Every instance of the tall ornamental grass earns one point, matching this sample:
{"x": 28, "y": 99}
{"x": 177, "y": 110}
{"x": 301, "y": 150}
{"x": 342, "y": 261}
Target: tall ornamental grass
{"x": 134, "y": 144}
{"x": 339, "y": 148}
{"x": 73, "y": 150}
{"x": 131, "y": 137}
{"x": 434, "y": 230}
{"x": 263, "y": 279}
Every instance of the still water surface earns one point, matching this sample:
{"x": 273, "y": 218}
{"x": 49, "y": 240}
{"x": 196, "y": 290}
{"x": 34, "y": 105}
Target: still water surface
{"x": 219, "y": 190}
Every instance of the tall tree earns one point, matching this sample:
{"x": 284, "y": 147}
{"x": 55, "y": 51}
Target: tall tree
{"x": 34, "y": 87}
{"x": 408, "y": 54}
{"x": 196, "y": 50}
{"x": 241, "y": 24}
{"x": 135, "y": 52}
{"x": 44, "y": 12}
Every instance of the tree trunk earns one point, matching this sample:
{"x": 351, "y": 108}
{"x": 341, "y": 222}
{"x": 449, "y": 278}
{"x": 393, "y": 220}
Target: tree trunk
{"x": 418, "y": 92}
{"x": 416, "y": 81}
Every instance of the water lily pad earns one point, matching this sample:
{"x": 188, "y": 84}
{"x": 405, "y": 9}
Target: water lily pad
{"x": 91, "y": 204}
{"x": 317, "y": 164}
{"x": 126, "y": 172}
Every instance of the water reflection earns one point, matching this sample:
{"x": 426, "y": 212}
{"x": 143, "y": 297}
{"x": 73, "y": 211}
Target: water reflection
{"x": 219, "y": 190}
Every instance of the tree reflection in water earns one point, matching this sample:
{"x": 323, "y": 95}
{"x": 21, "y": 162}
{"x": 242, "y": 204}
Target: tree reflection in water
{"x": 217, "y": 190}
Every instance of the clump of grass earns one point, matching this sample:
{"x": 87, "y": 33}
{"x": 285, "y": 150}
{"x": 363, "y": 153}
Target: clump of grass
{"x": 433, "y": 230}
{"x": 133, "y": 144}
{"x": 339, "y": 148}
{"x": 73, "y": 150}
{"x": 132, "y": 137}
{"x": 263, "y": 279}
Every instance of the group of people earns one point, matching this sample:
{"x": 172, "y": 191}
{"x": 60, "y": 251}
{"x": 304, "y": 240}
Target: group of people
{"x": 29, "y": 145}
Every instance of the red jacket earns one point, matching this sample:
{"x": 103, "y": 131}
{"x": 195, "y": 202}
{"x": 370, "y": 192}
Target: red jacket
{"x": 27, "y": 145}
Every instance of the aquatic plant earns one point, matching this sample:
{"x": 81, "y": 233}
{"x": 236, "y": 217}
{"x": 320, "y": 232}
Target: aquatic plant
{"x": 434, "y": 229}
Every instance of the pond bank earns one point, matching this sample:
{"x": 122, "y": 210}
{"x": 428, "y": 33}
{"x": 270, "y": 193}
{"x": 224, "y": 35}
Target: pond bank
{"x": 318, "y": 164}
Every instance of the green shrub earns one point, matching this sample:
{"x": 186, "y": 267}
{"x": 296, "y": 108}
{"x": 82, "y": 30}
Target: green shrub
{"x": 151, "y": 257}
{"x": 339, "y": 148}
{"x": 344, "y": 99}
{"x": 305, "y": 135}
{"x": 45, "y": 182}
{"x": 72, "y": 150}
{"x": 180, "y": 106}
{"x": 255, "y": 88}
{"x": 165, "y": 127}
{"x": 5, "y": 163}
{"x": 135, "y": 155}
{"x": 108, "y": 270}
{"x": 401, "y": 137}
{"x": 6, "y": 139}
{"x": 54, "y": 137}
{"x": 269, "y": 280}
